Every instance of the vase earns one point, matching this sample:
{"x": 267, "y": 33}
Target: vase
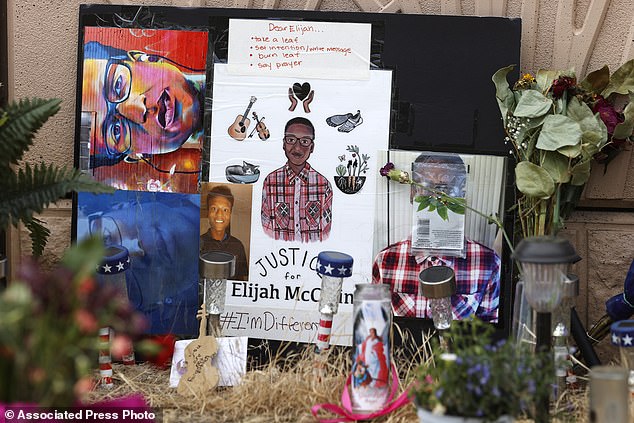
{"x": 426, "y": 416}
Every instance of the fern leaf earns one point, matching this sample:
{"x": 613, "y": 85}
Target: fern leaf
{"x": 39, "y": 235}
{"x": 34, "y": 188}
{"x": 23, "y": 119}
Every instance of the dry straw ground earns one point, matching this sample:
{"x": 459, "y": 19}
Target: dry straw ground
{"x": 283, "y": 390}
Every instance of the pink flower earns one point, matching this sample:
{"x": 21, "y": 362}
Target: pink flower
{"x": 86, "y": 321}
{"x": 121, "y": 345}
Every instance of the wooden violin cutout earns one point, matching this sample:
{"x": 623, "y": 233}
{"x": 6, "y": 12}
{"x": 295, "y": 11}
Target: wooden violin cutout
{"x": 263, "y": 131}
{"x": 238, "y": 129}
{"x": 201, "y": 376}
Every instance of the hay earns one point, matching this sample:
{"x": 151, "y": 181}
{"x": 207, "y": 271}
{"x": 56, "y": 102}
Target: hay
{"x": 284, "y": 390}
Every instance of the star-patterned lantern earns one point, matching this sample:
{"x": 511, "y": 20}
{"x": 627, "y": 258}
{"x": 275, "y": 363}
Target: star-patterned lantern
{"x": 112, "y": 268}
{"x": 111, "y": 271}
{"x": 332, "y": 267}
{"x": 623, "y": 337}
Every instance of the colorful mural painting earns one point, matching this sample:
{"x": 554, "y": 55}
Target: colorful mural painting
{"x": 142, "y": 107}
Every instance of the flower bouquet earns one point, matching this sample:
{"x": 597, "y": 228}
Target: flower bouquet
{"x": 479, "y": 379}
{"x": 555, "y": 127}
{"x": 50, "y": 320}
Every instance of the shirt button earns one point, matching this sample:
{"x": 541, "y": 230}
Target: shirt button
{"x": 296, "y": 202}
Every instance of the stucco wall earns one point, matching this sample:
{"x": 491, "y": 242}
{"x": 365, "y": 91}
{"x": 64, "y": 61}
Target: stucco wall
{"x": 584, "y": 34}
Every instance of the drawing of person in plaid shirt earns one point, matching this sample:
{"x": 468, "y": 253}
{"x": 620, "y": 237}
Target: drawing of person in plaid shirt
{"x": 477, "y": 273}
{"x": 296, "y": 199}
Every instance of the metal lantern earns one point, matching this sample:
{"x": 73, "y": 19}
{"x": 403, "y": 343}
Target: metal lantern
{"x": 544, "y": 262}
{"x": 214, "y": 268}
{"x": 438, "y": 284}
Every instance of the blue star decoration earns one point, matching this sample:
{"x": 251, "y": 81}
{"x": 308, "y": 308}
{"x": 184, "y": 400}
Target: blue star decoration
{"x": 335, "y": 264}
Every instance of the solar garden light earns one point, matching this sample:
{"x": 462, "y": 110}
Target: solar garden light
{"x": 544, "y": 262}
{"x": 623, "y": 337}
{"x": 332, "y": 267}
{"x": 438, "y": 284}
{"x": 561, "y": 330}
{"x": 214, "y": 268}
{"x": 111, "y": 271}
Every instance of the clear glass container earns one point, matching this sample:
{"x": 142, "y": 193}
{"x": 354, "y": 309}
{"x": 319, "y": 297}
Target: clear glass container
{"x": 371, "y": 361}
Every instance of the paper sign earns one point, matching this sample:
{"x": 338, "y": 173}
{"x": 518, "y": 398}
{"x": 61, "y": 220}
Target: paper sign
{"x": 327, "y": 50}
{"x": 351, "y": 123}
{"x": 290, "y": 325}
{"x": 231, "y": 360}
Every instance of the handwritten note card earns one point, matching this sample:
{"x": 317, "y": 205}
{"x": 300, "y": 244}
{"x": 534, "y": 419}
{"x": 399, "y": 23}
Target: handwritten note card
{"x": 328, "y": 50}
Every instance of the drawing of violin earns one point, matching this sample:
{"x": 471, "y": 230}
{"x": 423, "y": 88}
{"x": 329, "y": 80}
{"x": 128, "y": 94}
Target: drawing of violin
{"x": 238, "y": 129}
{"x": 263, "y": 131}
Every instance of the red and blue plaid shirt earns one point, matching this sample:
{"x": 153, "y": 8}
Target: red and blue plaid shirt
{"x": 296, "y": 207}
{"x": 477, "y": 280}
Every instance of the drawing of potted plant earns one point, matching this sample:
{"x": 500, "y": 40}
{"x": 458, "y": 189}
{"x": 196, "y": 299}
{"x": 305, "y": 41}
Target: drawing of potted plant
{"x": 351, "y": 170}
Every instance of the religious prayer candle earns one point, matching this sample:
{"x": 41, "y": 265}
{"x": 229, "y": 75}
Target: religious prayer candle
{"x": 372, "y": 324}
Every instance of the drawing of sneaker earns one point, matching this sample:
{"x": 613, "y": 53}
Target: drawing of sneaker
{"x": 351, "y": 123}
{"x": 336, "y": 120}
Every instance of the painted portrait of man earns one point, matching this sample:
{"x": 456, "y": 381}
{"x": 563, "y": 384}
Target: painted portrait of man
{"x": 296, "y": 199}
{"x": 143, "y": 103}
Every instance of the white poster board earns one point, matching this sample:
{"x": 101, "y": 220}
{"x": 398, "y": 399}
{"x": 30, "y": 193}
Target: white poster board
{"x": 306, "y": 49}
{"x": 280, "y": 298}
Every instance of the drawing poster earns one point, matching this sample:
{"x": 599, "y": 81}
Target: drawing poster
{"x": 308, "y": 150}
{"x": 142, "y": 103}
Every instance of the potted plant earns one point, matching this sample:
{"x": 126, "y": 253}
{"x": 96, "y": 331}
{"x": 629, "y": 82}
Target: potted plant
{"x": 480, "y": 380}
{"x": 50, "y": 318}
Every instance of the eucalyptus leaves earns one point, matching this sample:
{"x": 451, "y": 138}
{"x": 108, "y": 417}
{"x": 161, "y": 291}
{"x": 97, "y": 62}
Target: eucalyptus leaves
{"x": 555, "y": 128}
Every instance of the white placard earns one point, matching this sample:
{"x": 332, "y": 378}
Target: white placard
{"x": 282, "y": 277}
{"x": 231, "y": 360}
{"x": 330, "y": 50}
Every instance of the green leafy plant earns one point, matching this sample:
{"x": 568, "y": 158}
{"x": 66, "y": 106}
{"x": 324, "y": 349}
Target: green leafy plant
{"x": 26, "y": 189}
{"x": 555, "y": 127}
{"x": 50, "y": 321}
{"x": 481, "y": 378}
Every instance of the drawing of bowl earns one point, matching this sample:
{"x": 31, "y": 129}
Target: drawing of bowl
{"x": 349, "y": 184}
{"x": 237, "y": 175}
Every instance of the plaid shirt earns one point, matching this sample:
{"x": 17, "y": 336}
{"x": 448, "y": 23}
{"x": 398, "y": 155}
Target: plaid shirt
{"x": 296, "y": 207}
{"x": 477, "y": 280}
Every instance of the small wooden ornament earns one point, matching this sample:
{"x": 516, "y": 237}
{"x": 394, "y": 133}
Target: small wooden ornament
{"x": 201, "y": 376}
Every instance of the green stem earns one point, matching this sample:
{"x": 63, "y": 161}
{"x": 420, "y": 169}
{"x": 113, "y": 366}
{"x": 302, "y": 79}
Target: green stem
{"x": 556, "y": 218}
{"x": 490, "y": 218}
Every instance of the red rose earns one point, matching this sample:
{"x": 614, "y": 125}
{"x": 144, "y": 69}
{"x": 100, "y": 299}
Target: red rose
{"x": 563, "y": 84}
{"x": 608, "y": 115}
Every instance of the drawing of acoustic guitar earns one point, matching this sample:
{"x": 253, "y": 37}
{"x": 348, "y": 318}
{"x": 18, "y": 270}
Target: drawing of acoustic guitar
{"x": 238, "y": 129}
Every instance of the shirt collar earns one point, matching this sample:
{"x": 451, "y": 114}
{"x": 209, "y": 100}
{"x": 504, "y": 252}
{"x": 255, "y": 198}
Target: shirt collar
{"x": 422, "y": 258}
{"x": 303, "y": 175}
